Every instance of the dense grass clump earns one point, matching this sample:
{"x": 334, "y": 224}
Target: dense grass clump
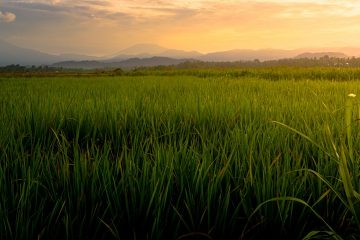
{"x": 178, "y": 157}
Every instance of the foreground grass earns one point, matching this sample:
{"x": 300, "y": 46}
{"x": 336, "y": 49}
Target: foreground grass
{"x": 175, "y": 157}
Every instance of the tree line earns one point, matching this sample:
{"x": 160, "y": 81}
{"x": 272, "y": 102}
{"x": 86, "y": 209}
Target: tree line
{"x": 324, "y": 61}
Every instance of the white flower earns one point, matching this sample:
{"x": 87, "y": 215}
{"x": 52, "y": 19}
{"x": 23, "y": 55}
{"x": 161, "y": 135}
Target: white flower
{"x": 351, "y": 95}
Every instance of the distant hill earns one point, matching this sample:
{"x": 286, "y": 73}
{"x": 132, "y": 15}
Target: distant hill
{"x": 80, "y": 64}
{"x": 153, "y": 55}
{"x": 149, "y": 62}
{"x": 142, "y": 49}
{"x": 349, "y": 51}
{"x": 249, "y": 55}
{"x": 79, "y": 57}
{"x": 128, "y": 63}
{"x": 11, "y": 54}
{"x": 151, "y": 50}
{"x": 322, "y": 54}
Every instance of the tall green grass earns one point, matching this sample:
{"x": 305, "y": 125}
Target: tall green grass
{"x": 177, "y": 157}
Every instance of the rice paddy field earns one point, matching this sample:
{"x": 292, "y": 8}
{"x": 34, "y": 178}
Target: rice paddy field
{"x": 200, "y": 154}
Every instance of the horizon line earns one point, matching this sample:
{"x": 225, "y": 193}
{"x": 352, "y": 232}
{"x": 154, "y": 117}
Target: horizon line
{"x": 118, "y": 52}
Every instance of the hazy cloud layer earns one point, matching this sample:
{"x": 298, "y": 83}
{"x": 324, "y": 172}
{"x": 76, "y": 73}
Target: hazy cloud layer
{"x": 7, "y": 17}
{"x": 105, "y": 26}
{"x": 155, "y": 8}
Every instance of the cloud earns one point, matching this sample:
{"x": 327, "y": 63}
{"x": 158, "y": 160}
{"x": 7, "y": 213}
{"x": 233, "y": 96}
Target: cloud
{"x": 75, "y": 9}
{"x": 7, "y": 17}
{"x": 101, "y": 26}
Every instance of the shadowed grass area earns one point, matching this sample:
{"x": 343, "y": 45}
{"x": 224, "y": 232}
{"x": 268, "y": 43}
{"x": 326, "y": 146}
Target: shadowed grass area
{"x": 177, "y": 157}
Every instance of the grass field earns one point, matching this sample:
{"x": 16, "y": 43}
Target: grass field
{"x": 181, "y": 156}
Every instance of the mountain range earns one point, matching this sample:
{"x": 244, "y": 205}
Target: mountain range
{"x": 152, "y": 55}
{"x": 127, "y": 63}
{"x": 321, "y": 54}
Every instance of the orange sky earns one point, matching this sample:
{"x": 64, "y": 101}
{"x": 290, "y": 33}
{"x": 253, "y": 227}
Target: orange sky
{"x": 103, "y": 27}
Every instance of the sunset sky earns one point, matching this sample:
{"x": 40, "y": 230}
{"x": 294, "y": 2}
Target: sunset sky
{"x": 102, "y": 27}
